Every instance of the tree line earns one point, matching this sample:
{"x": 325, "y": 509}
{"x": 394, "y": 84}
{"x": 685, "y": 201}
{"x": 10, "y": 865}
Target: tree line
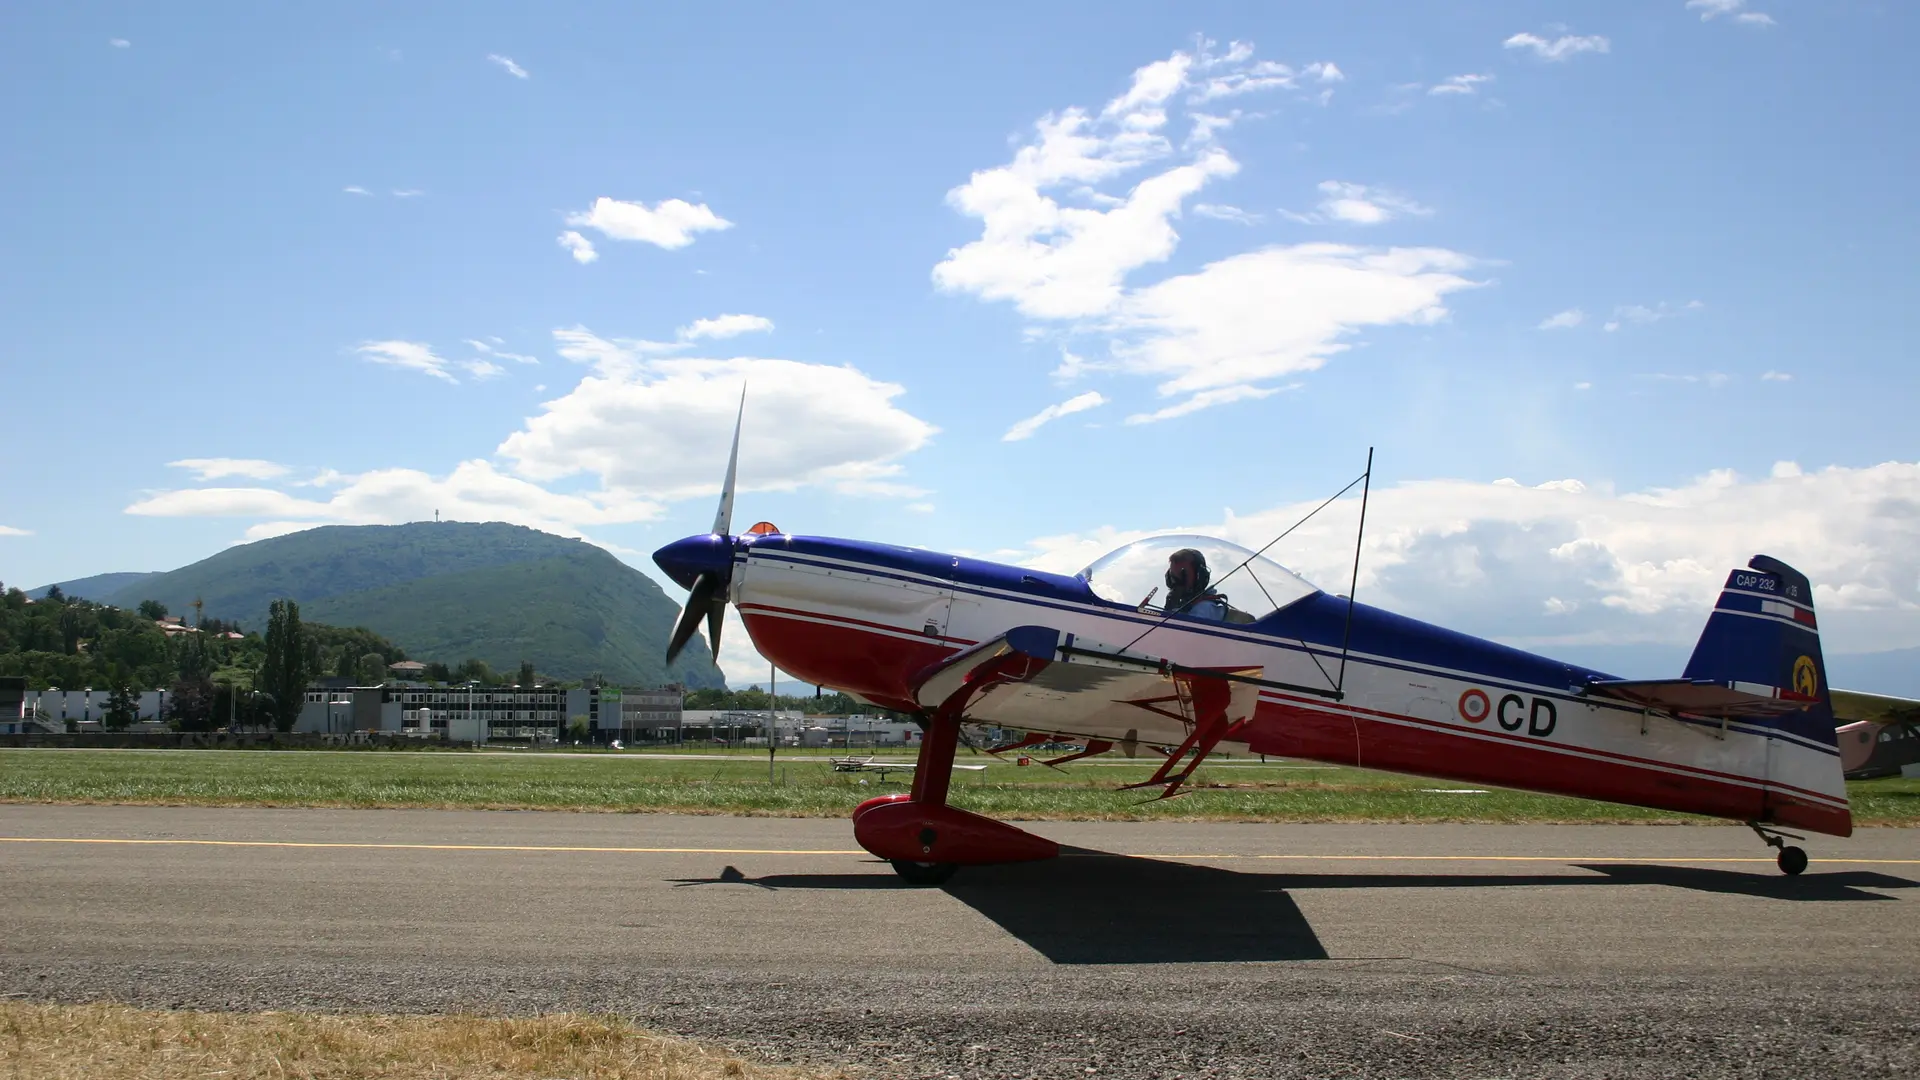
{"x": 211, "y": 679}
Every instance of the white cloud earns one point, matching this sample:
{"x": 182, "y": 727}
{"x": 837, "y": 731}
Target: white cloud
{"x": 120, "y": 43}
{"x": 507, "y": 65}
{"x": 483, "y": 369}
{"x": 726, "y": 326}
{"x": 1583, "y": 386}
{"x": 670, "y": 223}
{"x": 1325, "y": 71}
{"x": 493, "y": 350}
{"x": 659, "y": 426}
{"x": 1055, "y": 260}
{"x": 1627, "y": 567}
{"x": 1358, "y": 204}
{"x": 411, "y": 355}
{"x": 578, "y": 246}
{"x": 8, "y": 530}
{"x": 1564, "y": 320}
{"x": 407, "y": 193}
{"x": 1459, "y": 84}
{"x": 473, "y": 491}
{"x": 1564, "y": 47}
{"x": 1223, "y": 212}
{"x": 355, "y": 189}
{"x": 1276, "y": 311}
{"x": 215, "y": 468}
{"x": 1207, "y": 399}
{"x": 1642, "y": 315}
{"x": 1060, "y": 237}
{"x": 1776, "y": 376}
{"x": 1092, "y": 399}
{"x": 1711, "y": 9}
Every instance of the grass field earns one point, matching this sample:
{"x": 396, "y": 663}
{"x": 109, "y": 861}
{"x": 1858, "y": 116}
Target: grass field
{"x": 113, "y": 1042}
{"x": 803, "y": 786}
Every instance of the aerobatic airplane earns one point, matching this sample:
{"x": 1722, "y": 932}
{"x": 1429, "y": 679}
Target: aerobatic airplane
{"x": 1273, "y": 666}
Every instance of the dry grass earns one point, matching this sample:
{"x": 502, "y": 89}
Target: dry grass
{"x": 114, "y": 1042}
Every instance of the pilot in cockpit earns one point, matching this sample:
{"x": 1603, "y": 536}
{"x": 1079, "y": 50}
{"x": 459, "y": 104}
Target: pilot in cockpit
{"x": 1187, "y": 587}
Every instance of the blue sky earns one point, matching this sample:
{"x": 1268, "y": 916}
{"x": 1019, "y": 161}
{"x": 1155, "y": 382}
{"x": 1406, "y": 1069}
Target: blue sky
{"x": 1654, "y": 256}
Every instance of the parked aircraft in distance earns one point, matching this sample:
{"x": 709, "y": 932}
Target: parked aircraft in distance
{"x": 1277, "y": 667}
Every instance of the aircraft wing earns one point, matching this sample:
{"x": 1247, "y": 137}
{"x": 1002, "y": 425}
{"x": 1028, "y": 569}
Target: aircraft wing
{"x": 1701, "y": 697}
{"x": 1850, "y": 706}
{"x": 1034, "y": 678}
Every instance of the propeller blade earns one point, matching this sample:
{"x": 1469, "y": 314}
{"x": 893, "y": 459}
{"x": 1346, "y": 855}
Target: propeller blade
{"x": 716, "y": 616}
{"x": 723, "y": 520}
{"x": 700, "y": 602}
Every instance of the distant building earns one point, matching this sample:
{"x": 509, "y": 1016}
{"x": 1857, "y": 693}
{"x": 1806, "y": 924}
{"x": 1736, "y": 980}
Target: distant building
{"x": 408, "y": 669}
{"x": 531, "y": 714}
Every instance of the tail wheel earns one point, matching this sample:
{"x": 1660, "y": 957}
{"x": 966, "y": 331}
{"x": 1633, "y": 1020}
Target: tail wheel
{"x": 1792, "y": 861}
{"x": 925, "y": 873}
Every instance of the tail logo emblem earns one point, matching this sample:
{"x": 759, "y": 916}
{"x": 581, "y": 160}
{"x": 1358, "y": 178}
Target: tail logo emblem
{"x": 1806, "y": 681}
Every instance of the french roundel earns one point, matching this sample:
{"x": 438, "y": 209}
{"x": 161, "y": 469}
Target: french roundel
{"x": 1474, "y": 706}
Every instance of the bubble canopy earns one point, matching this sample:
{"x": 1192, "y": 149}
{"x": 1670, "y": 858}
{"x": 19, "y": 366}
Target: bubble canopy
{"x": 1127, "y": 574}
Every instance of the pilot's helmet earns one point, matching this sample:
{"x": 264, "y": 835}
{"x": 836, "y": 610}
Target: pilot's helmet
{"x": 1187, "y": 571}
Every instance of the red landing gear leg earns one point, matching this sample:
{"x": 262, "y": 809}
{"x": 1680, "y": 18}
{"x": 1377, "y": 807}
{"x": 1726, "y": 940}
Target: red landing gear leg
{"x": 1210, "y": 700}
{"x": 927, "y": 840}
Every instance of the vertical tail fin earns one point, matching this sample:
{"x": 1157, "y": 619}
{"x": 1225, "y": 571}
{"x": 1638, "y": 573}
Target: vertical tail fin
{"x": 1763, "y": 636}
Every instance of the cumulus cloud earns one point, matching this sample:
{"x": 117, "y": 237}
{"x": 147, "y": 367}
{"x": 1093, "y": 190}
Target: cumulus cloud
{"x": 1564, "y": 320}
{"x": 507, "y": 65}
{"x": 578, "y": 246}
{"x": 1712, "y": 9}
{"x": 1565, "y": 563}
{"x": 217, "y": 468}
{"x": 1459, "y": 84}
{"x": 725, "y": 326}
{"x": 8, "y": 530}
{"x": 657, "y": 425}
{"x": 1564, "y": 47}
{"x": 670, "y": 223}
{"x": 1276, "y": 311}
{"x": 1091, "y": 198}
{"x": 1024, "y": 429}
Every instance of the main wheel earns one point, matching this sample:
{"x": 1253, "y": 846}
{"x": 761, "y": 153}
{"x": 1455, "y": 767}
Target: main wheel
{"x": 1792, "y": 860}
{"x": 924, "y": 873}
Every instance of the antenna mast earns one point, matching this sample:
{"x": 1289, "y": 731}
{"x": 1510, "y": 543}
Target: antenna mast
{"x": 1346, "y": 635}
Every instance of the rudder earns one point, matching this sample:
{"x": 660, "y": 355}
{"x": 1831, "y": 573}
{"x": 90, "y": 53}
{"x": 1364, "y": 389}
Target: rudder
{"x": 1763, "y": 636}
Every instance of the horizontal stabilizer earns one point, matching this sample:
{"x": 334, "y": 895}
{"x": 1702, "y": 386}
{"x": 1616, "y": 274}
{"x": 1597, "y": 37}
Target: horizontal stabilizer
{"x": 1702, "y": 697}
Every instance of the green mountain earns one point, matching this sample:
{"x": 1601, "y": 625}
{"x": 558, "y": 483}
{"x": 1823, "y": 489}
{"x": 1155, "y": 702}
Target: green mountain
{"x": 96, "y": 588}
{"x": 448, "y": 591}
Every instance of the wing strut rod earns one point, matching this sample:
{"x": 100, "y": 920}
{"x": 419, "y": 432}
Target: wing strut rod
{"x": 1346, "y": 635}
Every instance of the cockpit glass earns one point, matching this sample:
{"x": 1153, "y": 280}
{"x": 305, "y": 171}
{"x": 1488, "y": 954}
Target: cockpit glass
{"x": 1127, "y": 575}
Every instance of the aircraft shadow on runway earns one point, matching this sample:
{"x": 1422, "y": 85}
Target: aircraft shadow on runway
{"x": 1094, "y": 907}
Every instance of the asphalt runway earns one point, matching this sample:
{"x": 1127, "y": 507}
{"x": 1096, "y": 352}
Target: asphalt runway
{"x": 1152, "y": 950}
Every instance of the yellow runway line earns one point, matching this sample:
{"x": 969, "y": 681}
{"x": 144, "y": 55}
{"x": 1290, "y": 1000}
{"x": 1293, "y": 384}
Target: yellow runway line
{"x": 1194, "y": 856}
